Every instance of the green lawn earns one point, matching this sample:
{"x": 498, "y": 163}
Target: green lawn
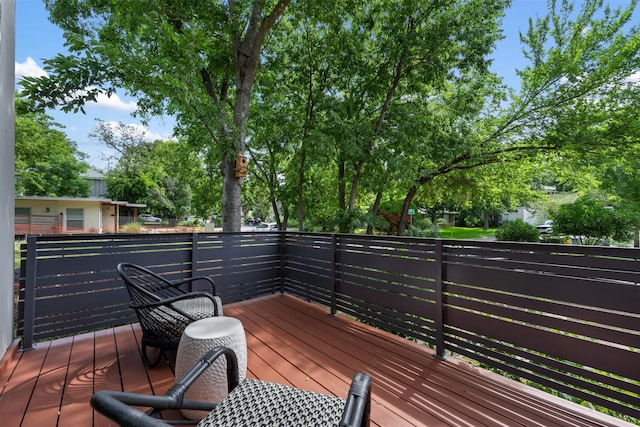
{"x": 466, "y": 233}
{"x": 16, "y": 253}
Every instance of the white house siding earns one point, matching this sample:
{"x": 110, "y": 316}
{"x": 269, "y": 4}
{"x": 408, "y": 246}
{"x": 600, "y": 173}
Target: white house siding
{"x": 522, "y": 213}
{"x": 49, "y": 215}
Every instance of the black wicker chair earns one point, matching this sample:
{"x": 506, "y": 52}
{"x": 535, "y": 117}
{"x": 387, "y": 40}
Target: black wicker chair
{"x": 164, "y": 309}
{"x": 249, "y": 403}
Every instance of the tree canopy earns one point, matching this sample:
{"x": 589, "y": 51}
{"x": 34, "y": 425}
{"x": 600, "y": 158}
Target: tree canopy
{"x": 165, "y": 175}
{"x": 358, "y": 103}
{"x": 195, "y": 60}
{"x": 47, "y": 163}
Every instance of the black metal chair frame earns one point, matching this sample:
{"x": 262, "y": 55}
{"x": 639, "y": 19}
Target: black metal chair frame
{"x": 117, "y": 405}
{"x": 164, "y": 308}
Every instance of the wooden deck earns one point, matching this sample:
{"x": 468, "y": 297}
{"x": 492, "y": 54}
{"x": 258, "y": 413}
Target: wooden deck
{"x": 289, "y": 342}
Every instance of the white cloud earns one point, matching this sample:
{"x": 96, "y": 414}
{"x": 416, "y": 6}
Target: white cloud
{"x": 114, "y": 102}
{"x": 634, "y": 78}
{"x": 139, "y": 129}
{"x": 29, "y": 68}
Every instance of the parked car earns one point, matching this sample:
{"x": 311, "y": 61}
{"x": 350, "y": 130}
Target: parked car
{"x": 149, "y": 218}
{"x": 267, "y": 226}
{"x": 545, "y": 227}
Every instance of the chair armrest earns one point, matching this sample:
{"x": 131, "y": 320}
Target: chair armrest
{"x": 194, "y": 279}
{"x": 358, "y": 405}
{"x": 115, "y": 404}
{"x": 170, "y": 300}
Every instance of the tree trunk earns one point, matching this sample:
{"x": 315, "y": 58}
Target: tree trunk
{"x": 402, "y": 222}
{"x": 342, "y": 192}
{"x": 354, "y": 185}
{"x": 232, "y": 189}
{"x": 231, "y": 202}
{"x": 374, "y": 211}
{"x": 247, "y": 59}
{"x": 341, "y": 187}
{"x": 378, "y": 128}
{"x": 303, "y": 158}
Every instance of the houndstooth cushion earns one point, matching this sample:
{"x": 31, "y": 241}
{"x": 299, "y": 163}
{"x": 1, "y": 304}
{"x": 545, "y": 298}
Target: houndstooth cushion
{"x": 168, "y": 323}
{"x": 200, "y": 308}
{"x": 261, "y": 403}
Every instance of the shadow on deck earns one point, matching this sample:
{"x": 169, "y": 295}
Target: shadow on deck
{"x": 290, "y": 342}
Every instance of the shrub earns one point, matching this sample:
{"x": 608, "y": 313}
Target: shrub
{"x": 132, "y": 227}
{"x": 517, "y": 231}
{"x": 423, "y": 227}
{"x": 592, "y": 222}
{"x": 431, "y": 230}
{"x": 193, "y": 222}
{"x": 554, "y": 238}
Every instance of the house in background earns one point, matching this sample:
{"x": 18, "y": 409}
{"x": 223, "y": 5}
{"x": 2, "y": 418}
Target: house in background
{"x": 68, "y": 215}
{"x": 525, "y": 214}
{"x": 448, "y": 218}
{"x": 95, "y": 178}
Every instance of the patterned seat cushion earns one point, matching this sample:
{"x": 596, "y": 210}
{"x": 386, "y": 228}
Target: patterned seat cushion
{"x": 261, "y": 403}
{"x": 165, "y": 322}
{"x": 200, "y": 308}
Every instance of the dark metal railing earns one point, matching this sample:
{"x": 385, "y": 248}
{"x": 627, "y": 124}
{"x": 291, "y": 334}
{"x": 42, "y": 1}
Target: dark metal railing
{"x": 564, "y": 317}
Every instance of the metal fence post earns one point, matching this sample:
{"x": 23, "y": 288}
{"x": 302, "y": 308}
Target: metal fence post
{"x": 283, "y": 241}
{"x": 334, "y": 309}
{"x": 439, "y": 301}
{"x": 194, "y": 257}
{"x": 30, "y": 275}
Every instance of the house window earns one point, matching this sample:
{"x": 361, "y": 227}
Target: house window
{"x": 75, "y": 218}
{"x": 22, "y": 215}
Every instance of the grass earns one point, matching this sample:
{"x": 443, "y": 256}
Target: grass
{"x": 466, "y": 233}
{"x": 16, "y": 253}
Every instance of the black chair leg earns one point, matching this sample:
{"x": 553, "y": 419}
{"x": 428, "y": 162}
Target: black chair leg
{"x": 148, "y": 362}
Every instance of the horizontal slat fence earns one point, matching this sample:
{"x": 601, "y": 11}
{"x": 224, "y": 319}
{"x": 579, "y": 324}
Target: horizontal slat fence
{"x": 308, "y": 261}
{"x": 70, "y": 284}
{"x": 564, "y": 317}
{"x": 242, "y": 265}
{"x": 388, "y": 283}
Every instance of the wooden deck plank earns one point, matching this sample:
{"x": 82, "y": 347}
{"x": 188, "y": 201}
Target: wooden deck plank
{"x": 294, "y": 367}
{"x": 390, "y": 393}
{"x": 275, "y": 329}
{"x": 343, "y": 348}
{"x": 45, "y": 401}
{"x": 161, "y": 377}
{"x": 79, "y": 385}
{"x": 289, "y": 342}
{"x": 132, "y": 369}
{"x": 485, "y": 397}
{"x": 106, "y": 375}
{"x": 522, "y": 408}
{"x": 8, "y": 364}
{"x": 17, "y": 394}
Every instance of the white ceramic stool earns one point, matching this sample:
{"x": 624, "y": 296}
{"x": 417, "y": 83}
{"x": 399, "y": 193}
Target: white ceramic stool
{"x": 200, "y": 337}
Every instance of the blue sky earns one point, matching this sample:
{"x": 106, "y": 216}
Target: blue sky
{"x": 37, "y": 39}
